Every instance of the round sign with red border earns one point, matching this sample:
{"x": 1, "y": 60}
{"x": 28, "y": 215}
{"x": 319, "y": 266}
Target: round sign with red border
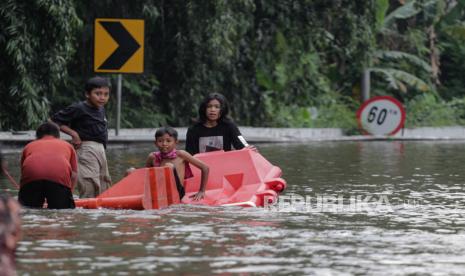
{"x": 381, "y": 115}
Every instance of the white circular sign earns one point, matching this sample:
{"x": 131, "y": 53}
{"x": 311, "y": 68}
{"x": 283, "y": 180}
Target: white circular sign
{"x": 382, "y": 115}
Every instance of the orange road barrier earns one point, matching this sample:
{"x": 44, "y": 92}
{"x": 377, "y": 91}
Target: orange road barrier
{"x": 146, "y": 188}
{"x": 236, "y": 178}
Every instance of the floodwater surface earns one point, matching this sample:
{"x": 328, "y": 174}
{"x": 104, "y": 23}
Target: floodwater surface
{"x": 350, "y": 208}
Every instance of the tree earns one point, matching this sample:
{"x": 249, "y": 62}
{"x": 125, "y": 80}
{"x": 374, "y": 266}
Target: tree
{"x": 398, "y": 58}
{"x": 34, "y": 57}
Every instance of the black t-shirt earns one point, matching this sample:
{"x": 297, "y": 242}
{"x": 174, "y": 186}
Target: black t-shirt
{"x": 89, "y": 122}
{"x": 223, "y": 136}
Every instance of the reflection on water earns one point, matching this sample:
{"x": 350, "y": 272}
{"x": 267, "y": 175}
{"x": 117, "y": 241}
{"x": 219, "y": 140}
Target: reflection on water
{"x": 421, "y": 231}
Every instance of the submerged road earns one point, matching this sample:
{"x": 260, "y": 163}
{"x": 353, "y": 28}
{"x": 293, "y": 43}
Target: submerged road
{"x": 14, "y": 140}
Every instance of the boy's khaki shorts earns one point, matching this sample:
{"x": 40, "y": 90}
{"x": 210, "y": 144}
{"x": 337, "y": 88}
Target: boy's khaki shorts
{"x": 93, "y": 176}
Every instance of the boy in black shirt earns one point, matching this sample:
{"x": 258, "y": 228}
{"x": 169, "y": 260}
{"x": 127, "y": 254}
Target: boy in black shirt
{"x": 86, "y": 123}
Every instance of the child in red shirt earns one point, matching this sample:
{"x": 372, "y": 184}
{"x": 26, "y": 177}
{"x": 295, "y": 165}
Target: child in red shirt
{"x": 48, "y": 170}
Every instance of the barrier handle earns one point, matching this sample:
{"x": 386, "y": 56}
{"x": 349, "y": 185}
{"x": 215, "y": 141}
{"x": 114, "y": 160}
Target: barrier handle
{"x": 269, "y": 195}
{"x": 277, "y": 184}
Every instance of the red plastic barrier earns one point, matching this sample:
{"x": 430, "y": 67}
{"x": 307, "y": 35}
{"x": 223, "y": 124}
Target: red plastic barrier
{"x": 118, "y": 202}
{"x": 146, "y": 188}
{"x": 237, "y": 178}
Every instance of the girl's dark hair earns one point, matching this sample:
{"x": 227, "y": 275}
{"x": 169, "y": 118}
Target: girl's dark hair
{"x": 97, "y": 82}
{"x": 48, "y": 128}
{"x": 166, "y": 130}
{"x": 223, "y": 104}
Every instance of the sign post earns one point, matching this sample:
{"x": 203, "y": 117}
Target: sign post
{"x": 118, "y": 104}
{"x": 118, "y": 48}
{"x": 382, "y": 115}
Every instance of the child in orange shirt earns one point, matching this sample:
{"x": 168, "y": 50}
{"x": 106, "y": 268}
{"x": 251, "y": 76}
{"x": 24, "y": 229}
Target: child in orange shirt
{"x": 48, "y": 170}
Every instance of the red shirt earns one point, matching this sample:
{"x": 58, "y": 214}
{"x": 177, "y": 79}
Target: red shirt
{"x": 49, "y": 158}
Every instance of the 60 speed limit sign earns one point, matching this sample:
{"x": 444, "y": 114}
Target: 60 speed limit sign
{"x": 382, "y": 115}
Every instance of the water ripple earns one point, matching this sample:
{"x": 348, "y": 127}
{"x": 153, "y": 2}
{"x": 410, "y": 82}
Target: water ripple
{"x": 417, "y": 229}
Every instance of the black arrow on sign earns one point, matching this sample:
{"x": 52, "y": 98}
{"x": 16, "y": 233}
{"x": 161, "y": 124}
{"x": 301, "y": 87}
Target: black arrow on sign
{"x": 127, "y": 45}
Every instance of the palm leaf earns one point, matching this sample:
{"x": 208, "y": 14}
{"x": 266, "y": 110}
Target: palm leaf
{"x": 381, "y": 8}
{"x": 397, "y": 79}
{"x": 403, "y": 12}
{"x": 398, "y": 55}
{"x": 454, "y": 14}
{"x": 456, "y": 31}
{"x": 408, "y": 10}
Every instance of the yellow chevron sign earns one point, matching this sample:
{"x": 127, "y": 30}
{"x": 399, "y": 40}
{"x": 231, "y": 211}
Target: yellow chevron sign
{"x": 119, "y": 45}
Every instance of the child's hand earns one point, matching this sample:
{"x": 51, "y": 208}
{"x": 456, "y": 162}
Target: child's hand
{"x": 76, "y": 141}
{"x": 198, "y": 196}
{"x": 129, "y": 171}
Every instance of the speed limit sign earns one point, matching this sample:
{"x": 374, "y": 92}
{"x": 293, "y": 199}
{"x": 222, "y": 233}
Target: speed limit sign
{"x": 382, "y": 115}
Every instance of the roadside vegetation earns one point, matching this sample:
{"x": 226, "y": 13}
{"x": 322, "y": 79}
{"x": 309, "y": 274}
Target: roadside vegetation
{"x": 280, "y": 63}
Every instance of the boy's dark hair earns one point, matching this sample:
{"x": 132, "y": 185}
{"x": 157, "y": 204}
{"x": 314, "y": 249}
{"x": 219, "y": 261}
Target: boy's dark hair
{"x": 166, "y": 130}
{"x": 223, "y": 104}
{"x": 97, "y": 82}
{"x": 48, "y": 128}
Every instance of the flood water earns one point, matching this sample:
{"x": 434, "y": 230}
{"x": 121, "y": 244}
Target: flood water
{"x": 350, "y": 208}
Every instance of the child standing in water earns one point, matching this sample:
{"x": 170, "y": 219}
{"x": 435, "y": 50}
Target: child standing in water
{"x": 48, "y": 170}
{"x": 86, "y": 123}
{"x": 166, "y": 139}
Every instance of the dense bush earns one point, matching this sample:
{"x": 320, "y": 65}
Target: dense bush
{"x": 280, "y": 63}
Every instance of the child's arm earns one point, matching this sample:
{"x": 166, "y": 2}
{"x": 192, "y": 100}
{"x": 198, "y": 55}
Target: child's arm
{"x": 75, "y": 138}
{"x": 238, "y": 140}
{"x": 203, "y": 168}
{"x": 149, "y": 160}
{"x": 63, "y": 119}
{"x": 74, "y": 168}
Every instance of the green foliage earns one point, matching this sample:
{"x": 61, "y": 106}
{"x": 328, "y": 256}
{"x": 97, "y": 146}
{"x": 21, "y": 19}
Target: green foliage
{"x": 298, "y": 61}
{"x": 430, "y": 110}
{"x": 405, "y": 11}
{"x": 399, "y": 56}
{"x": 138, "y": 96}
{"x": 279, "y": 63}
{"x": 330, "y": 110}
{"x": 34, "y": 57}
{"x": 452, "y": 45}
{"x": 336, "y": 111}
{"x": 400, "y": 60}
{"x": 260, "y": 54}
{"x": 381, "y": 8}
{"x": 453, "y": 66}
{"x": 398, "y": 79}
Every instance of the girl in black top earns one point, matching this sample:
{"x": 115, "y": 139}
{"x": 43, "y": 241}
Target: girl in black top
{"x": 214, "y": 131}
